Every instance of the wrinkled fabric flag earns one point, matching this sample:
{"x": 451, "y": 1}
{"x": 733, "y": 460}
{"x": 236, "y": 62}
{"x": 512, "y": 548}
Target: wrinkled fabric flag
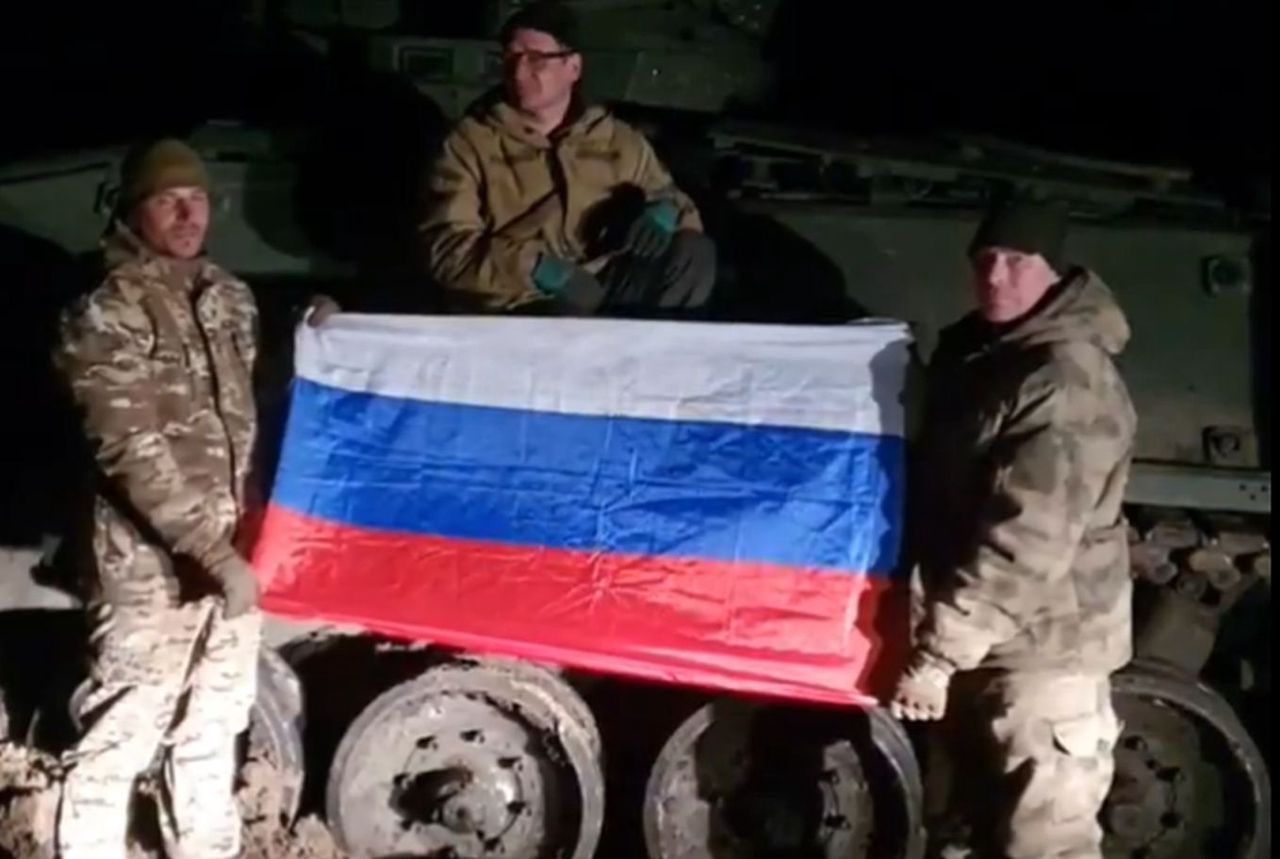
{"x": 705, "y": 504}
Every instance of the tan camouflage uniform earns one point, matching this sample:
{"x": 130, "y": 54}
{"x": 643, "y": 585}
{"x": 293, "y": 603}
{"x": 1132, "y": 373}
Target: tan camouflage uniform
{"x": 501, "y": 193}
{"x": 1025, "y": 570}
{"x": 160, "y": 359}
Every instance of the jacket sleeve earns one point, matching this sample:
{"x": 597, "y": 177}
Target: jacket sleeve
{"x": 654, "y": 179}
{"x": 1054, "y": 453}
{"x": 463, "y": 254}
{"x": 104, "y": 354}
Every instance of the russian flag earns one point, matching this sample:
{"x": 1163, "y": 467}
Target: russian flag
{"x": 706, "y": 504}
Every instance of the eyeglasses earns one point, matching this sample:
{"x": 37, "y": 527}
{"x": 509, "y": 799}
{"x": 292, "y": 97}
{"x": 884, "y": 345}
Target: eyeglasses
{"x": 537, "y": 59}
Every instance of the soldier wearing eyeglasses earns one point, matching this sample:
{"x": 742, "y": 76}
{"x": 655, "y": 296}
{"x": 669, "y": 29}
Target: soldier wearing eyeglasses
{"x": 541, "y": 202}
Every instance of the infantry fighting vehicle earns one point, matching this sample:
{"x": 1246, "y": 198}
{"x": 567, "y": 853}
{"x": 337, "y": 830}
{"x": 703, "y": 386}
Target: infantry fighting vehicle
{"x": 813, "y": 226}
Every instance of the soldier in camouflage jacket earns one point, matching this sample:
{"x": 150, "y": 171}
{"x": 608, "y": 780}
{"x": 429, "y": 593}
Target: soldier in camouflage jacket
{"x": 1023, "y": 463}
{"x": 160, "y": 359}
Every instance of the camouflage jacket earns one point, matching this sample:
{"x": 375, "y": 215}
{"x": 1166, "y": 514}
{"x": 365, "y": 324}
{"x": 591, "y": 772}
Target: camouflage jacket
{"x": 159, "y": 359}
{"x": 500, "y": 193}
{"x": 1025, "y": 453}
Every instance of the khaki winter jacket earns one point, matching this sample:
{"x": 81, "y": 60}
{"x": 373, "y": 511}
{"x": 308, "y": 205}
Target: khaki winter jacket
{"x": 501, "y": 193}
{"x": 159, "y": 359}
{"x": 1025, "y": 454}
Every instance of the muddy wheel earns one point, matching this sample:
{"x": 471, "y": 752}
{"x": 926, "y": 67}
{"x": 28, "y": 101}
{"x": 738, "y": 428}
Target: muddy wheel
{"x": 1189, "y": 779}
{"x": 745, "y": 780}
{"x": 472, "y": 758}
{"x": 275, "y": 726}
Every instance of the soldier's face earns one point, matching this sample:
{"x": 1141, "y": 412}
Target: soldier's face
{"x": 539, "y": 72}
{"x": 1009, "y": 283}
{"x": 174, "y": 222}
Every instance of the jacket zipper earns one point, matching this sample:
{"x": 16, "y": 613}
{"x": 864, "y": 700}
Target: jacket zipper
{"x": 216, "y": 391}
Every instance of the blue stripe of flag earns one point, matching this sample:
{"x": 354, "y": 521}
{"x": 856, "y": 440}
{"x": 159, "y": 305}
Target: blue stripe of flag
{"x": 716, "y": 491}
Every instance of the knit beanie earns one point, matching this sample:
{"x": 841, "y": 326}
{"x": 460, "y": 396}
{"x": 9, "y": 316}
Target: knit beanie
{"x": 150, "y": 168}
{"x": 545, "y": 16}
{"x": 1024, "y": 225}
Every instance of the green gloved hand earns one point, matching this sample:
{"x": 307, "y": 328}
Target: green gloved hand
{"x": 650, "y": 235}
{"x": 561, "y": 279}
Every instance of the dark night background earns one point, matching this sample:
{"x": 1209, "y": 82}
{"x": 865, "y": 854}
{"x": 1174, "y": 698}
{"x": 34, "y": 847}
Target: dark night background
{"x": 1180, "y": 84}
{"x": 1185, "y": 83}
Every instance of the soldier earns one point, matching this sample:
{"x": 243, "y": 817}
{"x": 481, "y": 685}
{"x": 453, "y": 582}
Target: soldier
{"x": 159, "y": 358}
{"x": 540, "y": 200}
{"x": 1024, "y": 568}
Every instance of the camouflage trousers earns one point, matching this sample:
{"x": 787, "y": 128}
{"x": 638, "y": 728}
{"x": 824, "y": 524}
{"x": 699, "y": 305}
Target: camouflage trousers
{"x": 1021, "y": 765}
{"x": 177, "y": 683}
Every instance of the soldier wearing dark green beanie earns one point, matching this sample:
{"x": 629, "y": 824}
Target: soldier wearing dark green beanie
{"x": 156, "y": 167}
{"x": 164, "y": 198}
{"x": 160, "y": 358}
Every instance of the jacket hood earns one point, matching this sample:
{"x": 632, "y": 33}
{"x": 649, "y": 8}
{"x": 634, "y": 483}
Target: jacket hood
{"x": 494, "y": 111}
{"x": 1079, "y": 308}
{"x": 120, "y": 245}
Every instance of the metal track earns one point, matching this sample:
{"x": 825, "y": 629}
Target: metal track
{"x": 1190, "y": 781}
{"x": 1194, "y": 568}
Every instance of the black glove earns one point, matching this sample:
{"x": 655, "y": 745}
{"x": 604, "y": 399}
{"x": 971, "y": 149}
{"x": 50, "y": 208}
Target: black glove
{"x": 650, "y": 234}
{"x": 574, "y": 286}
{"x": 239, "y": 585}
